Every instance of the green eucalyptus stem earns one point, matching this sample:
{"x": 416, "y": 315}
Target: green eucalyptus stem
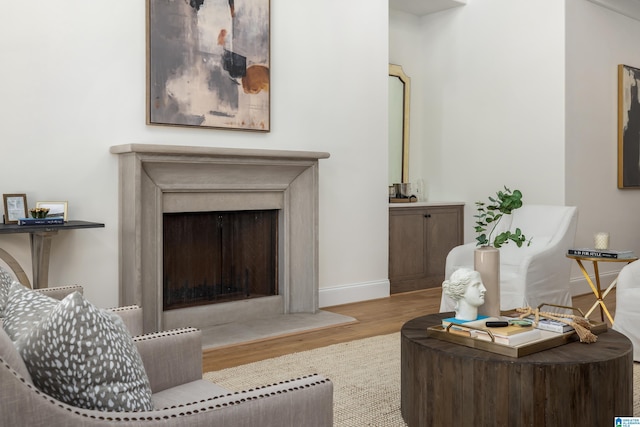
{"x": 490, "y": 214}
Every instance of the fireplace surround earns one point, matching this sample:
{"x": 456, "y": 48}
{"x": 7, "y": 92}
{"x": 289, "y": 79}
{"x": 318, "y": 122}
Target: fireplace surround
{"x": 158, "y": 179}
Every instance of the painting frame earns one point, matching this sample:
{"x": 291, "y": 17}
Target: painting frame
{"x": 628, "y": 127}
{"x": 56, "y": 209}
{"x": 15, "y": 207}
{"x": 208, "y": 64}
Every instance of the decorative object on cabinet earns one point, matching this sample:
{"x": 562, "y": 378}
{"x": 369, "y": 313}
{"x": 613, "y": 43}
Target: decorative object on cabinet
{"x": 15, "y": 207}
{"x": 56, "y": 209}
{"x": 420, "y": 237}
{"x": 209, "y": 66}
{"x": 401, "y": 193}
{"x": 628, "y": 127}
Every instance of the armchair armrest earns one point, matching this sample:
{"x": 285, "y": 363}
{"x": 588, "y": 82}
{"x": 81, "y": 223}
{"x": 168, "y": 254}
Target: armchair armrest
{"x": 131, "y": 316}
{"x": 306, "y": 401}
{"x": 171, "y": 357}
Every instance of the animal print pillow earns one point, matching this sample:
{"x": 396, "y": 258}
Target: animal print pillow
{"x": 84, "y": 356}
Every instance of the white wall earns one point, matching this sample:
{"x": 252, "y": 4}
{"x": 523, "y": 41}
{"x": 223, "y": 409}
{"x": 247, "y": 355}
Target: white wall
{"x": 598, "y": 39}
{"x": 523, "y": 93}
{"x": 490, "y": 101}
{"x": 73, "y": 84}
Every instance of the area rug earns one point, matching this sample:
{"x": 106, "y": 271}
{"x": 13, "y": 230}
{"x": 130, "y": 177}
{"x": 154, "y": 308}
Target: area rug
{"x": 365, "y": 375}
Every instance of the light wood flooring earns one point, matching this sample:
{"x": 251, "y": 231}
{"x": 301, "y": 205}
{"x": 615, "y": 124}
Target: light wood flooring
{"x": 376, "y": 317}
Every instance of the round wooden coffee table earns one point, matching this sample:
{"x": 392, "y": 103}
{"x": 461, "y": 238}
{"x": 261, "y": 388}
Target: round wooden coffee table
{"x": 576, "y": 384}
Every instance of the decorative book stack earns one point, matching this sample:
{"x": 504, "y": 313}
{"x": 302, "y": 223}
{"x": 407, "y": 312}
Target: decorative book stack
{"x": 599, "y": 253}
{"x": 551, "y": 325}
{"x": 554, "y": 326}
{"x": 41, "y": 221}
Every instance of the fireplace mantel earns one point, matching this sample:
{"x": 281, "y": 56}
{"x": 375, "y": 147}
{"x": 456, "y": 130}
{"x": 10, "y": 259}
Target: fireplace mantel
{"x": 154, "y": 179}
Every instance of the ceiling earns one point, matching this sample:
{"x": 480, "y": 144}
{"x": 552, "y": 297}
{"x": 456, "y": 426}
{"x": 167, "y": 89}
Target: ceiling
{"x": 423, "y": 7}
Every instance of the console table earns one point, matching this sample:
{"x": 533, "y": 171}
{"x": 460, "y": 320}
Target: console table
{"x": 576, "y": 384}
{"x": 40, "y": 241}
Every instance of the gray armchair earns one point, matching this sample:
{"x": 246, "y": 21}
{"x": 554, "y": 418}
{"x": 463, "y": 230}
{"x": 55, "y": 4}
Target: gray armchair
{"x": 173, "y": 363}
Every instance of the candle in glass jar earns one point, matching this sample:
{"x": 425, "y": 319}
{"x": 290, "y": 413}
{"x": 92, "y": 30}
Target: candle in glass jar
{"x": 601, "y": 240}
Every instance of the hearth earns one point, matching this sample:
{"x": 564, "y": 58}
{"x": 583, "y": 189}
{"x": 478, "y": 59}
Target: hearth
{"x": 160, "y": 180}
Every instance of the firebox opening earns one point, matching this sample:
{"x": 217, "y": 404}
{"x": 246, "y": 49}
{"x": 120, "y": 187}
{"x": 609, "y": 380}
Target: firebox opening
{"x": 214, "y": 257}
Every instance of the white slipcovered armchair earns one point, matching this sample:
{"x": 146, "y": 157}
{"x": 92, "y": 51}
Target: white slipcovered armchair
{"x": 529, "y": 275}
{"x": 627, "y": 317}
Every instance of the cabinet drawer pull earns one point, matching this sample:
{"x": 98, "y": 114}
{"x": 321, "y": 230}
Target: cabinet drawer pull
{"x": 427, "y": 215}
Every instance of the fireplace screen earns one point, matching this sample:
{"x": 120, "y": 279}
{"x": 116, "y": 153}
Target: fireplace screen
{"x": 212, "y": 257}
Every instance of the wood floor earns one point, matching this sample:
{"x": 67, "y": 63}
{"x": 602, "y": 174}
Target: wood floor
{"x": 376, "y": 317}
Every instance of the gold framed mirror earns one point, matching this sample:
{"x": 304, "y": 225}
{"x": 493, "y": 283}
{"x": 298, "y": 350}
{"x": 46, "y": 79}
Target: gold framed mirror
{"x": 399, "y": 112}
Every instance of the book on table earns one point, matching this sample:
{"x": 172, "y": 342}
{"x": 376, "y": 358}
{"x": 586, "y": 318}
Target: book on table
{"x": 551, "y": 325}
{"x": 554, "y": 326}
{"x": 599, "y": 253}
{"x": 480, "y": 321}
{"x": 41, "y": 221}
{"x": 525, "y": 336}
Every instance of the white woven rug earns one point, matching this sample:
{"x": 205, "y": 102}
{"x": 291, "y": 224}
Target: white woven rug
{"x": 365, "y": 375}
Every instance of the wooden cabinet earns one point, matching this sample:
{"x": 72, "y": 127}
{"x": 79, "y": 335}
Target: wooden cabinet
{"x": 420, "y": 237}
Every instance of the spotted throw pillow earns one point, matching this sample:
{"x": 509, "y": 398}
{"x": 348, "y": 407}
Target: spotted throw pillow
{"x": 84, "y": 356}
{"x": 5, "y": 284}
{"x": 25, "y": 308}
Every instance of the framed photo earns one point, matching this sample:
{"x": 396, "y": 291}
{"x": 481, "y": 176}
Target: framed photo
{"x": 56, "y": 209}
{"x": 15, "y": 207}
{"x": 208, "y": 64}
{"x": 628, "y": 127}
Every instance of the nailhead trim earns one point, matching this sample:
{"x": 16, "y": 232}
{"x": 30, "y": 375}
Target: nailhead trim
{"x": 110, "y": 416}
{"x": 47, "y": 291}
{"x": 170, "y": 332}
{"x": 125, "y": 308}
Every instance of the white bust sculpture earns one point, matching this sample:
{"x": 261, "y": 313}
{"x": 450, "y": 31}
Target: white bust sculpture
{"x": 465, "y": 287}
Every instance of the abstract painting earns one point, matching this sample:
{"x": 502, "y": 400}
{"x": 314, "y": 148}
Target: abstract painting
{"x": 208, "y": 63}
{"x": 628, "y": 127}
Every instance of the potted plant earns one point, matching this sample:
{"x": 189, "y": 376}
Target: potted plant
{"x": 489, "y": 215}
{"x": 486, "y": 260}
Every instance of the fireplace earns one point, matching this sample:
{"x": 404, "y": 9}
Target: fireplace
{"x": 156, "y": 181}
{"x": 217, "y": 257}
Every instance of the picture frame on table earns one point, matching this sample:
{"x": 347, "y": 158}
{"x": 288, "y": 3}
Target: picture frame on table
{"x": 56, "y": 209}
{"x": 15, "y": 207}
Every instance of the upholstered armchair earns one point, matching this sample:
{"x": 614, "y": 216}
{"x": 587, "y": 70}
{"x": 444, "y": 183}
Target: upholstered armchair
{"x": 173, "y": 363}
{"x": 627, "y": 317}
{"x": 529, "y": 275}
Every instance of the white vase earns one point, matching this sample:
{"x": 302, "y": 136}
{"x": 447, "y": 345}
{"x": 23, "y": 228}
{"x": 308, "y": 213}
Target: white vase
{"x": 486, "y": 261}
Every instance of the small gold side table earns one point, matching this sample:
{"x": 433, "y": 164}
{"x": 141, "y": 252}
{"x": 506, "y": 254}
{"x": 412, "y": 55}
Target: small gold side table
{"x": 597, "y": 290}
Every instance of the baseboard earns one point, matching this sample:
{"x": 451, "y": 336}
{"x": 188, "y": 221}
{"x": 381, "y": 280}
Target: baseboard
{"x": 356, "y": 292}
